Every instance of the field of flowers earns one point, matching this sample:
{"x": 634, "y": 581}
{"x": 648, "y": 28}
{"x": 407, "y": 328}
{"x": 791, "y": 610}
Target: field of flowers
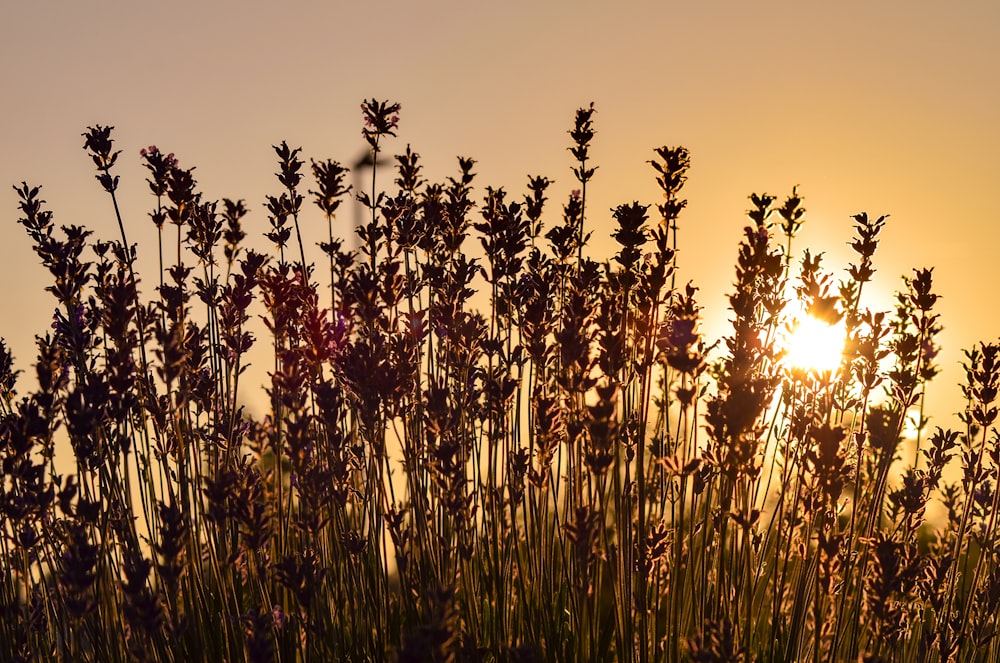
{"x": 572, "y": 474}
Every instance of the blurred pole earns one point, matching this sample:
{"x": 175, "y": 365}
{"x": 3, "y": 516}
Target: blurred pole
{"x": 362, "y": 166}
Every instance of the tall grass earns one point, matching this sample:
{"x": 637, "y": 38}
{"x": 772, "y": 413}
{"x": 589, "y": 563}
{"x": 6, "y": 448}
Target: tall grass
{"x": 573, "y": 474}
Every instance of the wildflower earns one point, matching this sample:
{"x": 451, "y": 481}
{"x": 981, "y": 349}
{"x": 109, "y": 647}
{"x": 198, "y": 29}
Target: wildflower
{"x": 290, "y": 164}
{"x": 582, "y": 133}
{"x": 381, "y": 119}
{"x": 159, "y": 166}
{"x": 100, "y": 145}
{"x": 791, "y": 213}
{"x": 279, "y": 616}
{"x": 330, "y": 179}
{"x": 682, "y": 332}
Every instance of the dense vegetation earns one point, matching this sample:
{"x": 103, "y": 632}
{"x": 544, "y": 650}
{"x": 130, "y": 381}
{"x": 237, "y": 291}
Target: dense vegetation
{"x": 573, "y": 474}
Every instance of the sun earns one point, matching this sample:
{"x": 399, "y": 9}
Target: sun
{"x": 814, "y": 345}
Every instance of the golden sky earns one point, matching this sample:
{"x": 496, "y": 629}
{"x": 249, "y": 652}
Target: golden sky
{"x": 884, "y": 107}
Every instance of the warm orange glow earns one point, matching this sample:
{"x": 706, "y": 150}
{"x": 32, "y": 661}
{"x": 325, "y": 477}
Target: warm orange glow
{"x": 814, "y": 345}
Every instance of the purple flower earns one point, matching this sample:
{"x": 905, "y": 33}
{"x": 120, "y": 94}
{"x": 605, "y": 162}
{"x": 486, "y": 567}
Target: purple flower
{"x": 279, "y": 616}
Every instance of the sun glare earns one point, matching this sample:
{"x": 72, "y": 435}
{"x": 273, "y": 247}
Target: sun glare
{"x": 815, "y": 345}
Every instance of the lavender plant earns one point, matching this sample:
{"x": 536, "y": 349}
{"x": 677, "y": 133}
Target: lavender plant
{"x": 572, "y": 474}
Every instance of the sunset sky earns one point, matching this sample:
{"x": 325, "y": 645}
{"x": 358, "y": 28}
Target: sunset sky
{"x": 884, "y": 107}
